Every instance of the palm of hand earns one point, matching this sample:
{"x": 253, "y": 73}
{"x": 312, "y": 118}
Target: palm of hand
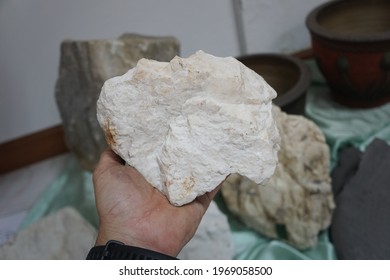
{"x": 133, "y": 212}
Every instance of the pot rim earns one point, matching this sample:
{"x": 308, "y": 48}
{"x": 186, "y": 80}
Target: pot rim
{"x": 299, "y": 88}
{"x": 315, "y": 28}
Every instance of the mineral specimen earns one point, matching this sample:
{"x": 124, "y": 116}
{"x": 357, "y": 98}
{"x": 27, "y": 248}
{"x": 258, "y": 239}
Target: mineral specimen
{"x": 297, "y": 202}
{"x": 187, "y": 124}
{"x": 84, "y": 66}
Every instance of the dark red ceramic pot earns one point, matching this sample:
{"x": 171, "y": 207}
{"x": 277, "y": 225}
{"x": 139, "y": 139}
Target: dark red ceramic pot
{"x": 351, "y": 45}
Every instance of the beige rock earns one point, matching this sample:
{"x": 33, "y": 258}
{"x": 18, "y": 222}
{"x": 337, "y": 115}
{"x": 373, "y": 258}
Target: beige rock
{"x": 297, "y": 202}
{"x": 187, "y": 124}
{"x": 60, "y": 236}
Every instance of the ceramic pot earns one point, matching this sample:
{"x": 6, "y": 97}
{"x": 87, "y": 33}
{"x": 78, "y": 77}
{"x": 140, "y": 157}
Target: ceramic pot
{"x": 351, "y": 45}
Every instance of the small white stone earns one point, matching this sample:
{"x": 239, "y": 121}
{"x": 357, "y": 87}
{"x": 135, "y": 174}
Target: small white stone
{"x": 212, "y": 240}
{"x": 187, "y": 124}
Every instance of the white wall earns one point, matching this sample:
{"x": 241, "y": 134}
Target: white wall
{"x": 276, "y": 25}
{"x": 31, "y": 32}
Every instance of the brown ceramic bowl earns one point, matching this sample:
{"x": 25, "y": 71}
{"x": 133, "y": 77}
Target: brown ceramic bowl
{"x": 351, "y": 45}
{"x": 287, "y": 75}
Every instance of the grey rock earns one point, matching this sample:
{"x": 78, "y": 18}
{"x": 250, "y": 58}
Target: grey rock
{"x": 61, "y": 235}
{"x": 84, "y": 67}
{"x": 297, "y": 203}
{"x": 213, "y": 239}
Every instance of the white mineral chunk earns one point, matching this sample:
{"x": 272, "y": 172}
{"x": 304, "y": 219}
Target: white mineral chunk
{"x": 187, "y": 124}
{"x": 297, "y": 202}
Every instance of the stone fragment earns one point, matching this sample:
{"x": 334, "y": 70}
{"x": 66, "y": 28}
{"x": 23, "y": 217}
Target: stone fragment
{"x": 213, "y": 239}
{"x": 297, "y": 202}
{"x": 63, "y": 235}
{"x": 187, "y": 124}
{"x": 84, "y": 66}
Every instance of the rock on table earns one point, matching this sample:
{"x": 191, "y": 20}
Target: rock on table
{"x": 297, "y": 203}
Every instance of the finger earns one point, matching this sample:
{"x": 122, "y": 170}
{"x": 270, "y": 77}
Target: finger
{"x": 212, "y": 194}
{"x": 205, "y": 200}
{"x": 108, "y": 158}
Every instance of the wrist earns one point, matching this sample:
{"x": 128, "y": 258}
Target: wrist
{"x": 106, "y": 235}
{"x": 115, "y": 250}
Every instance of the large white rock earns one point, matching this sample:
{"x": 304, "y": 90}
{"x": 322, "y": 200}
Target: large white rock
{"x": 187, "y": 124}
{"x": 297, "y": 202}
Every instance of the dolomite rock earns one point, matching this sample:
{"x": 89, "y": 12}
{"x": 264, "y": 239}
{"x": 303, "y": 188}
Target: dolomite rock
{"x": 187, "y": 124}
{"x": 84, "y": 66}
{"x": 212, "y": 240}
{"x": 297, "y": 202}
{"x": 63, "y": 235}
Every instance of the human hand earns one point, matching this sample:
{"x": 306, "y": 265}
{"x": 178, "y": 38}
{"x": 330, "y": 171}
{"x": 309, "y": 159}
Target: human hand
{"x": 134, "y": 212}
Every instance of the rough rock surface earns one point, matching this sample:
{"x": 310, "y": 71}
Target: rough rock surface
{"x": 212, "y": 240}
{"x": 84, "y": 66}
{"x": 187, "y": 124}
{"x": 297, "y": 202}
{"x": 63, "y": 235}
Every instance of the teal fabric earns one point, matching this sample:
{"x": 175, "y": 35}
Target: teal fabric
{"x": 250, "y": 245}
{"x": 344, "y": 126}
{"x": 73, "y": 187}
